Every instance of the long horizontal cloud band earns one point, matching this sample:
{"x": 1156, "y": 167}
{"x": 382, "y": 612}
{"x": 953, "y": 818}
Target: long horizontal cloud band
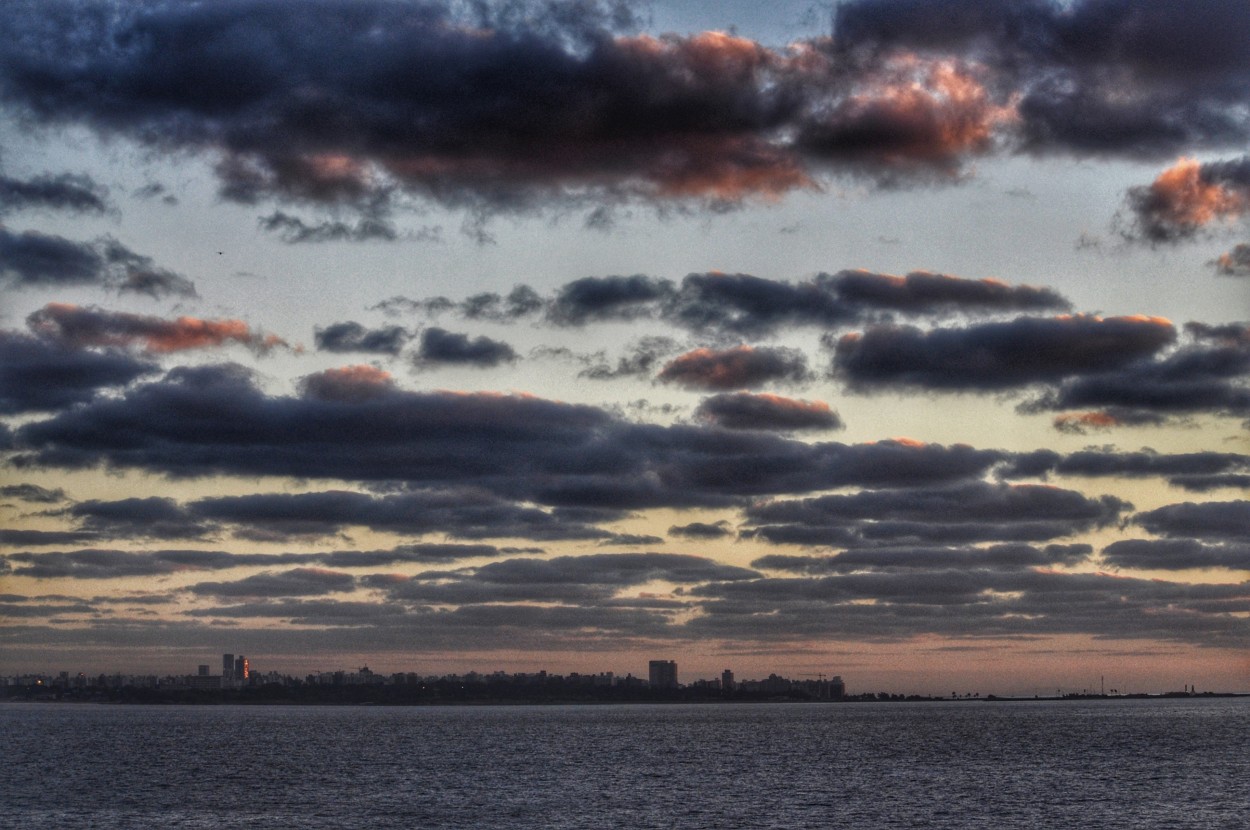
{"x": 211, "y": 420}
{"x": 336, "y": 101}
{"x": 497, "y": 606}
{"x": 742, "y": 305}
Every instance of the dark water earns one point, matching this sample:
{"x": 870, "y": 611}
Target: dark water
{"x": 1115, "y": 764}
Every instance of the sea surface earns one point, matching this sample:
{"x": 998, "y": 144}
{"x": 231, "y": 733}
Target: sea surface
{"x": 994, "y": 765}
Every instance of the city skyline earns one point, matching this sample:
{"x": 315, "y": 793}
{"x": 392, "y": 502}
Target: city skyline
{"x": 891, "y": 335}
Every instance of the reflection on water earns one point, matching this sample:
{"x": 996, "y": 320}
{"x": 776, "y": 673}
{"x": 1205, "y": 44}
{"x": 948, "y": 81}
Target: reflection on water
{"x": 1128, "y": 764}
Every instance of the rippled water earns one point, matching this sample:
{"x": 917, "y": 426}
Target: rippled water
{"x": 1122, "y": 764}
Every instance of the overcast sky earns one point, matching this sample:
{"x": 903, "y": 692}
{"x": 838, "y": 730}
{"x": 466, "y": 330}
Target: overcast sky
{"x": 900, "y": 339}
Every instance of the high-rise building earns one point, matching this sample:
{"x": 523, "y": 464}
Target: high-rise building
{"x": 663, "y": 674}
{"x": 837, "y": 689}
{"x": 227, "y": 667}
{"x": 240, "y": 670}
{"x": 727, "y": 680}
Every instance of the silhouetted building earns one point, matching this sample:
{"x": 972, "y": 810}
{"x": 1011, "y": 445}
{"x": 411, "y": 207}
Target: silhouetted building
{"x": 203, "y": 670}
{"x": 227, "y": 668}
{"x": 837, "y": 689}
{"x": 727, "y": 680}
{"x": 663, "y": 674}
{"x": 240, "y": 670}
{"x": 203, "y": 680}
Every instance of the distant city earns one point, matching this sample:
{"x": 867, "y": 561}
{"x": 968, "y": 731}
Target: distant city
{"x": 237, "y": 673}
{"x": 238, "y": 681}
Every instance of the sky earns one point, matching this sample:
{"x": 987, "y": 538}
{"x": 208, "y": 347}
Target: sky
{"x": 903, "y": 340}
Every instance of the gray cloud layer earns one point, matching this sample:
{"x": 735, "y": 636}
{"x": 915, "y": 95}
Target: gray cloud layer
{"x": 508, "y": 106}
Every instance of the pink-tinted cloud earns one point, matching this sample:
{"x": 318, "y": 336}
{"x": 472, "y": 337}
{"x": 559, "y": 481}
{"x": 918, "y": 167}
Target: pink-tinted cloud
{"x": 1189, "y": 197}
{"x": 744, "y": 410}
{"x": 1081, "y": 422}
{"x": 86, "y": 326}
{"x": 1234, "y": 263}
{"x": 908, "y": 116}
{"x": 492, "y": 115}
{"x": 348, "y": 384}
{"x": 742, "y": 367}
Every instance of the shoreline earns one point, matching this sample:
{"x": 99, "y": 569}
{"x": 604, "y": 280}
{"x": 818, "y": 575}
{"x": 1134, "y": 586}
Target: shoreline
{"x": 372, "y": 697}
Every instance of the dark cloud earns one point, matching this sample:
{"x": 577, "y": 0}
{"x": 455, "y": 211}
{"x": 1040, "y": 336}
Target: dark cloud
{"x": 347, "y": 384}
{"x": 32, "y": 493}
{"x": 569, "y": 579}
{"x": 155, "y": 190}
{"x": 908, "y": 119}
{"x": 442, "y": 347}
{"x": 991, "y": 356}
{"x": 1082, "y": 423}
{"x": 521, "y": 301}
{"x": 1189, "y": 198}
{"x": 293, "y": 229}
{"x": 972, "y": 512}
{"x": 516, "y": 447}
{"x": 617, "y": 569}
{"x": 156, "y": 283}
{"x": 642, "y": 359}
{"x": 887, "y": 594}
{"x": 743, "y": 410}
{"x": 67, "y": 191}
{"x": 1209, "y": 372}
{"x": 317, "y": 612}
{"x": 458, "y": 513}
{"x": 1175, "y": 467}
{"x": 924, "y": 292}
{"x": 32, "y": 259}
{"x": 1218, "y": 520}
{"x": 97, "y": 563}
{"x": 137, "y": 518}
{"x": 474, "y": 615}
{"x": 630, "y": 540}
{"x": 1177, "y": 554}
{"x": 742, "y": 367}
{"x": 743, "y": 305}
{"x": 45, "y": 610}
{"x": 298, "y": 582}
{"x": 36, "y": 375}
{"x": 44, "y": 538}
{"x": 749, "y": 305}
{"x": 993, "y": 557}
{"x": 1094, "y": 77}
{"x": 1206, "y": 483}
{"x": 502, "y": 110}
{"x": 488, "y": 108}
{"x": 422, "y": 553}
{"x": 1234, "y": 263}
{"x": 102, "y": 563}
{"x": 84, "y": 326}
{"x": 976, "y": 602}
{"x": 701, "y": 530}
{"x": 351, "y": 336}
{"x": 608, "y": 298}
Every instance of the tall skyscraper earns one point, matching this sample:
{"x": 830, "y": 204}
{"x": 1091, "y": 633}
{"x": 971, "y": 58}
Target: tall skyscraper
{"x": 663, "y": 674}
{"x": 240, "y": 670}
{"x": 727, "y": 680}
{"x": 227, "y": 667}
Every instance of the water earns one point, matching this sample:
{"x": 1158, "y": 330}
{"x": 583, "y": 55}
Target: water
{"x": 1000, "y": 766}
